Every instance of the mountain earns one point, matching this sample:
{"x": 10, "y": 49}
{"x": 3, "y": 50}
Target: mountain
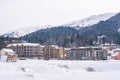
{"x": 14, "y": 34}
{"x": 25, "y": 30}
{"x": 110, "y": 28}
{"x": 75, "y": 24}
{"x": 70, "y": 37}
{"x": 90, "y": 20}
{"x": 56, "y": 35}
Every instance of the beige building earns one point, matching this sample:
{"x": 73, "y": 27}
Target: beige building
{"x": 53, "y": 52}
{"x": 27, "y": 50}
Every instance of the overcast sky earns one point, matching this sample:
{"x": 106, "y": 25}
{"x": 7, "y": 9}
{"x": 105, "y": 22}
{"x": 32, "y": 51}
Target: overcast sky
{"x": 23, "y": 13}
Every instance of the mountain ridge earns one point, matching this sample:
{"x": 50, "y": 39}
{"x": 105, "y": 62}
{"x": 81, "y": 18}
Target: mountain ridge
{"x": 75, "y": 24}
{"x": 89, "y": 21}
{"x": 86, "y": 36}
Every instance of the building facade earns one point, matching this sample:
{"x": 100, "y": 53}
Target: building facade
{"x": 86, "y": 53}
{"x": 27, "y": 50}
{"x": 53, "y": 52}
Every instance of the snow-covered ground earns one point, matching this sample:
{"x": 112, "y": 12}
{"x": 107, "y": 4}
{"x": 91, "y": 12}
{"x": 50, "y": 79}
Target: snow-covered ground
{"x": 60, "y": 70}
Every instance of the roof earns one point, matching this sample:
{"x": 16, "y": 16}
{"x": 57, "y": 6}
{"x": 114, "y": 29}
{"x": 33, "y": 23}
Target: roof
{"x": 55, "y": 46}
{"x": 88, "y": 47}
{"x": 9, "y": 51}
{"x": 24, "y": 44}
{"x": 108, "y": 44}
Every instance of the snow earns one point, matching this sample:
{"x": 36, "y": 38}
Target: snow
{"x": 114, "y": 52}
{"x": 55, "y": 46}
{"x": 59, "y": 70}
{"x": 75, "y": 24}
{"x": 90, "y": 20}
{"x": 25, "y": 30}
{"x": 119, "y": 30}
{"x": 8, "y": 50}
{"x": 25, "y": 44}
{"x": 3, "y": 58}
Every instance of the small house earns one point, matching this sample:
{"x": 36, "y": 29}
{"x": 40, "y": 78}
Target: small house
{"x": 8, "y": 55}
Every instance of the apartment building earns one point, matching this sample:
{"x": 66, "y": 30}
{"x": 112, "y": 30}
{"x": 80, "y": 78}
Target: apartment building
{"x": 53, "y": 52}
{"x": 27, "y": 50}
{"x": 86, "y": 53}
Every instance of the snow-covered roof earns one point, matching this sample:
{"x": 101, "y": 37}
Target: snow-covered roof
{"x": 55, "y": 46}
{"x": 67, "y": 49}
{"x": 107, "y": 44}
{"x": 24, "y": 44}
{"x": 9, "y": 51}
{"x": 89, "y": 47}
{"x": 115, "y": 50}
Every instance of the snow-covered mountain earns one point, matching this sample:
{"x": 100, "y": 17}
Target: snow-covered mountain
{"x": 90, "y": 20}
{"x": 76, "y": 24}
{"x": 14, "y": 34}
{"x": 25, "y": 30}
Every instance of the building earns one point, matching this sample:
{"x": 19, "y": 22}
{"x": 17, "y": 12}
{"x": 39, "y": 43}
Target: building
{"x": 114, "y": 54}
{"x": 109, "y": 46}
{"x": 8, "y": 55}
{"x": 101, "y": 39}
{"x": 53, "y": 52}
{"x": 27, "y": 50}
{"x": 86, "y": 53}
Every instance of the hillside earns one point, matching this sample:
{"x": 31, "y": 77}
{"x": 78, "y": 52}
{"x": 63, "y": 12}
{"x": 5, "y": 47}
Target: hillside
{"x": 68, "y": 36}
{"x": 110, "y": 28}
{"x": 24, "y": 31}
{"x": 89, "y": 21}
{"x": 71, "y": 37}
{"x": 56, "y": 35}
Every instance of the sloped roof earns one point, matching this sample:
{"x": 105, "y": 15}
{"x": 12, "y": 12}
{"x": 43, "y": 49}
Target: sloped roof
{"x": 9, "y": 51}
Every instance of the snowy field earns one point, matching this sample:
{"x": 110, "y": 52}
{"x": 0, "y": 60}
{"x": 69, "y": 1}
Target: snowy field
{"x": 60, "y": 70}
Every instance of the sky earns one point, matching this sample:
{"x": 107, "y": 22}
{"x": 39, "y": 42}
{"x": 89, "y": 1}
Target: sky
{"x": 15, "y": 14}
